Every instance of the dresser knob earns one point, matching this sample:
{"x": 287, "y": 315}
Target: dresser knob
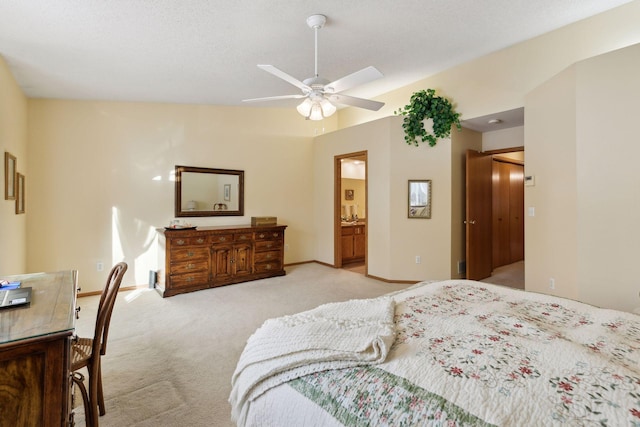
{"x": 222, "y": 239}
{"x": 201, "y": 240}
{"x": 190, "y": 254}
{"x": 180, "y": 242}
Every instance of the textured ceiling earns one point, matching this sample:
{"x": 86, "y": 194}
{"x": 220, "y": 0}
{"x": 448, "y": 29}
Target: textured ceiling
{"x": 206, "y": 51}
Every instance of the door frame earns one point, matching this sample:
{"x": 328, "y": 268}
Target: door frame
{"x": 337, "y": 207}
{"x": 487, "y": 153}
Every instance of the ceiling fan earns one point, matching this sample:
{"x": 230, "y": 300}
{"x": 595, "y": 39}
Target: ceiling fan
{"x": 319, "y": 93}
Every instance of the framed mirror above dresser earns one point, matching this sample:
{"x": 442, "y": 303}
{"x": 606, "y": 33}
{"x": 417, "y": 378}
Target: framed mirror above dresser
{"x": 208, "y": 192}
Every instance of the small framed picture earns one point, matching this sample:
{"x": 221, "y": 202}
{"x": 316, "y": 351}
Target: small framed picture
{"x": 9, "y": 176}
{"x": 348, "y": 194}
{"x": 227, "y": 192}
{"x": 20, "y": 193}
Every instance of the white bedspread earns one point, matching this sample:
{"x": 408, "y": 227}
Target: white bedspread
{"x": 475, "y": 354}
{"x": 332, "y": 336}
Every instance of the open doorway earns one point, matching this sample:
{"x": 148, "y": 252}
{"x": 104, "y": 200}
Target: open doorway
{"x": 350, "y": 212}
{"x": 495, "y": 216}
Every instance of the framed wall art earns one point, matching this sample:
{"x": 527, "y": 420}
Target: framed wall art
{"x": 20, "y": 193}
{"x": 348, "y": 194}
{"x": 9, "y": 176}
{"x": 419, "y": 198}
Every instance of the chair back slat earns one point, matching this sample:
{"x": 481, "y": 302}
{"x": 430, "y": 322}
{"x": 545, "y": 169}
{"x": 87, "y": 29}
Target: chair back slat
{"x": 105, "y": 307}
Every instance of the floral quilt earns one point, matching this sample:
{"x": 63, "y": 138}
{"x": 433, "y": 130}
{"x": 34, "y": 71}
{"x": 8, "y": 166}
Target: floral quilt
{"x": 472, "y": 354}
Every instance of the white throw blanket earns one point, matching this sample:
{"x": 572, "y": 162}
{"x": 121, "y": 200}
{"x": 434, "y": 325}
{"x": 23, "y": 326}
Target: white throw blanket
{"x": 332, "y": 336}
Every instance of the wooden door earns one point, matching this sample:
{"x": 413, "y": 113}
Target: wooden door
{"x": 359, "y": 242}
{"x": 500, "y": 213}
{"x": 478, "y": 215}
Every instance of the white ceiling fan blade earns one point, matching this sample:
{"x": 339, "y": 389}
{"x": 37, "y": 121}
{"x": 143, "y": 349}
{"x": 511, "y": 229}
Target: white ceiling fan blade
{"x": 284, "y": 76}
{"x": 275, "y": 98}
{"x": 359, "y": 77}
{"x": 356, "y": 102}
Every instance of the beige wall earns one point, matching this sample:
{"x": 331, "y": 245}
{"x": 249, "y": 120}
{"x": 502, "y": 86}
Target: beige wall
{"x": 580, "y": 146}
{"x": 550, "y": 157}
{"x": 13, "y": 139}
{"x": 99, "y": 181}
{"x": 393, "y": 240}
{"x": 608, "y": 236}
{"x": 503, "y": 138}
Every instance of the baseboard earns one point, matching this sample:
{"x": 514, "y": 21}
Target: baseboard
{"x": 400, "y": 282}
{"x": 122, "y": 289}
{"x": 134, "y": 287}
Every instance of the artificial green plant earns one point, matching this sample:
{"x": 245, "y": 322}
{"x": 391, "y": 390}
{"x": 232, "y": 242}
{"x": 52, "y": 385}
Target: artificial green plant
{"x": 425, "y": 105}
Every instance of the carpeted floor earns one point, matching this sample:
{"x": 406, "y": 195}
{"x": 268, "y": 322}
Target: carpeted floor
{"x": 169, "y": 361}
{"x": 511, "y": 275}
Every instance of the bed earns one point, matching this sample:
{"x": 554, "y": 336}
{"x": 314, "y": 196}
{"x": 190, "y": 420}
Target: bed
{"x": 450, "y": 353}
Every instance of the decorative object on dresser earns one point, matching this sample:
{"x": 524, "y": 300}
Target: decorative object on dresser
{"x": 208, "y": 257}
{"x": 264, "y": 220}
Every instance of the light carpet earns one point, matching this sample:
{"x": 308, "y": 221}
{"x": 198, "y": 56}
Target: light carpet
{"x": 169, "y": 361}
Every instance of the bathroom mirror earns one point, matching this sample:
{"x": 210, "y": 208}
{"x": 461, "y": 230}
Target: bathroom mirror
{"x": 420, "y": 198}
{"x": 209, "y": 192}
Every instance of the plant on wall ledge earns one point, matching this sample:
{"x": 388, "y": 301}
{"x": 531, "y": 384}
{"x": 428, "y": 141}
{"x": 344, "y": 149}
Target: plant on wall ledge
{"x": 425, "y": 105}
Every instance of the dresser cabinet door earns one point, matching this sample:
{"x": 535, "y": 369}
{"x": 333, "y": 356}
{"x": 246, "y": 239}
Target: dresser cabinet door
{"x": 221, "y": 256}
{"x": 241, "y": 262}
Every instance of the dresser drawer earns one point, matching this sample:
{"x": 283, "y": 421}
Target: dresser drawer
{"x": 268, "y": 245}
{"x": 189, "y": 280}
{"x": 267, "y": 256}
{"x": 189, "y": 266}
{"x": 189, "y": 241}
{"x": 243, "y": 237}
{"x": 266, "y": 267}
{"x": 269, "y": 235}
{"x": 189, "y": 254}
{"x": 221, "y": 238}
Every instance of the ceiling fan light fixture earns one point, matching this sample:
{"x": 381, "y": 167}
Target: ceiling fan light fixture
{"x": 316, "y": 112}
{"x": 327, "y": 108}
{"x": 304, "y": 107}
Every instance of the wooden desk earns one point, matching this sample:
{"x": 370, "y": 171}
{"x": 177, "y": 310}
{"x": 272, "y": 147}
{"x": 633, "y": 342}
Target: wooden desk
{"x": 35, "y": 343}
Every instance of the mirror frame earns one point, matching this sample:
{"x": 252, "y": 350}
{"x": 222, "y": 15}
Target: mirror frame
{"x": 412, "y": 211}
{"x": 178, "y": 198}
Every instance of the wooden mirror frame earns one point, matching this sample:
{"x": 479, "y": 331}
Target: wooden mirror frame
{"x": 227, "y": 193}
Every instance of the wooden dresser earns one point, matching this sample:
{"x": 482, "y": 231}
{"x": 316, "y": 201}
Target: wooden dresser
{"x": 207, "y": 257}
{"x": 35, "y": 345}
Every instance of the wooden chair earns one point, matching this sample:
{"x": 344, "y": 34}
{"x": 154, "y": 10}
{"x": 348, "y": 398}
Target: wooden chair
{"x": 87, "y": 352}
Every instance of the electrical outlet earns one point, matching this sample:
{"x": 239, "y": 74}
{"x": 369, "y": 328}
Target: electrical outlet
{"x": 99, "y": 266}
{"x": 552, "y": 283}
{"x": 286, "y": 246}
{"x": 418, "y": 259}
